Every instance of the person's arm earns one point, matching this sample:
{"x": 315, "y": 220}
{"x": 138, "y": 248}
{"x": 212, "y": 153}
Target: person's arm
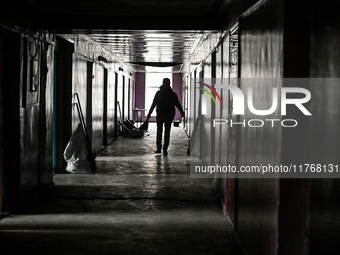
{"x": 154, "y": 103}
{"x": 179, "y": 106}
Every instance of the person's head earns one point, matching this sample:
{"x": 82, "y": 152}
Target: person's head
{"x": 166, "y": 82}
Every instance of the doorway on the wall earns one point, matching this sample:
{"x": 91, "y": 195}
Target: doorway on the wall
{"x": 129, "y": 99}
{"x": 122, "y": 103}
{"x": 89, "y": 87}
{"x": 62, "y": 102}
{"x": 116, "y": 127}
{"x": 105, "y": 143}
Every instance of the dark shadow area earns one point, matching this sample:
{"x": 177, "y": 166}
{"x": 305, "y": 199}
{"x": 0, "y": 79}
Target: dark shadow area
{"x": 135, "y": 203}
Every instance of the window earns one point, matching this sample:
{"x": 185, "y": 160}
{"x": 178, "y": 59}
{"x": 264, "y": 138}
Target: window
{"x": 153, "y": 80}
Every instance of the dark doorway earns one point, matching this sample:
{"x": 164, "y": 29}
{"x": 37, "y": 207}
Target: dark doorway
{"x": 105, "y": 143}
{"x": 62, "y": 110}
{"x": 123, "y": 99}
{"x": 10, "y": 46}
{"x": 89, "y": 84}
{"x": 129, "y": 99}
{"x": 116, "y": 132}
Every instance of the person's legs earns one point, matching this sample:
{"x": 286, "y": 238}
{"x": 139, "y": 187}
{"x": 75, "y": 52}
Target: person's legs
{"x": 167, "y": 134}
{"x": 159, "y": 121}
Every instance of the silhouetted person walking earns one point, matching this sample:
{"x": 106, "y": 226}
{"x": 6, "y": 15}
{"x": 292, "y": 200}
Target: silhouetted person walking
{"x": 165, "y": 100}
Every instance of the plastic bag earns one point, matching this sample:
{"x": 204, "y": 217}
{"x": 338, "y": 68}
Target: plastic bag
{"x": 75, "y": 153}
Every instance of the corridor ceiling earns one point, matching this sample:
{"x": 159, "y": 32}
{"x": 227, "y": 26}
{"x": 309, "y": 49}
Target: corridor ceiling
{"x": 141, "y": 32}
{"x": 150, "y": 48}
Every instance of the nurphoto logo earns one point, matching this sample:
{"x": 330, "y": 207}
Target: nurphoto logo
{"x": 279, "y": 98}
{"x": 213, "y": 90}
{"x": 257, "y": 127}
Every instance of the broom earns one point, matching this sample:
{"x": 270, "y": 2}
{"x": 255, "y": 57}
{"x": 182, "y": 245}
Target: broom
{"x": 145, "y": 125}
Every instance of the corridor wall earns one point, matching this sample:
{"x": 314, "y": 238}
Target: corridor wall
{"x": 41, "y": 73}
{"x": 27, "y": 79}
{"x": 323, "y": 131}
{"x": 261, "y": 56}
{"x": 277, "y": 39}
{"x": 99, "y": 85}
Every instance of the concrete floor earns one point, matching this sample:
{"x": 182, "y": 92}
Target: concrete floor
{"x": 137, "y": 202}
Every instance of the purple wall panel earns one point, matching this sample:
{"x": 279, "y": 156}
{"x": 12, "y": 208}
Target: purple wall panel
{"x": 177, "y": 84}
{"x": 140, "y": 94}
{"x": 140, "y": 91}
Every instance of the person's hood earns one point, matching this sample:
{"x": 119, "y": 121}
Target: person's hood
{"x": 165, "y": 88}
